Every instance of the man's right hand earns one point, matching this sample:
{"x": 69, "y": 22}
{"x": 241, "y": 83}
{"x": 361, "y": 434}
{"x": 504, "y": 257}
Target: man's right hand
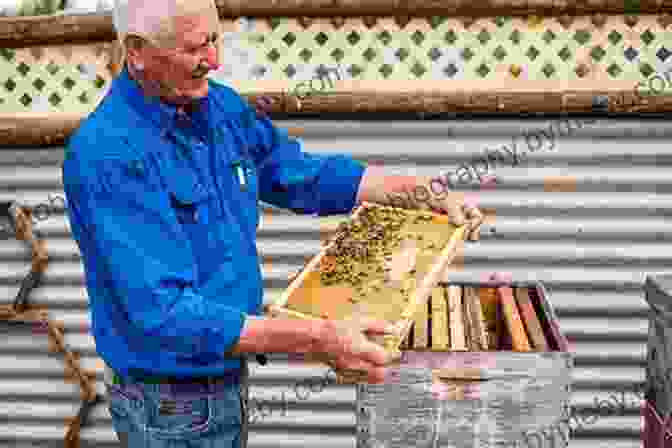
{"x": 346, "y": 347}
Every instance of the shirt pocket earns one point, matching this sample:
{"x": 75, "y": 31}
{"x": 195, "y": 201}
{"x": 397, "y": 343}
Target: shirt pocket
{"x": 175, "y": 417}
{"x": 191, "y": 201}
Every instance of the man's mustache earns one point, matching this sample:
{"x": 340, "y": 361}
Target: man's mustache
{"x": 201, "y": 70}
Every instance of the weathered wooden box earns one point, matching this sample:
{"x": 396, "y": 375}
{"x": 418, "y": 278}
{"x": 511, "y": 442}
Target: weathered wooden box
{"x": 501, "y": 378}
{"x": 657, "y": 407}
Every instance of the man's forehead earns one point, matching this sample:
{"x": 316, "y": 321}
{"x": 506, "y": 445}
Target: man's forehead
{"x": 149, "y": 16}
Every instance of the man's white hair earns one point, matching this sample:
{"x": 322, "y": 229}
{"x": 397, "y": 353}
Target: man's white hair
{"x": 154, "y": 20}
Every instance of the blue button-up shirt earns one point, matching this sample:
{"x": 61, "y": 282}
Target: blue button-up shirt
{"x": 165, "y": 213}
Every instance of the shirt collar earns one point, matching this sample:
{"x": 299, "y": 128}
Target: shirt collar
{"x": 161, "y": 114}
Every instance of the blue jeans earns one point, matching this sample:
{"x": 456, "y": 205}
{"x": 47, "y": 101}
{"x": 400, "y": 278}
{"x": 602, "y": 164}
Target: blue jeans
{"x": 210, "y": 415}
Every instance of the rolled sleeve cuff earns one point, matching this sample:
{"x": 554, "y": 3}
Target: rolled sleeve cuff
{"x": 230, "y": 336}
{"x": 339, "y": 187}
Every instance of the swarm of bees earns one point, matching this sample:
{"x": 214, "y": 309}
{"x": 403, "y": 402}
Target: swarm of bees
{"x": 361, "y": 243}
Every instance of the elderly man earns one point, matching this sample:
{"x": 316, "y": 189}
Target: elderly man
{"x": 163, "y": 181}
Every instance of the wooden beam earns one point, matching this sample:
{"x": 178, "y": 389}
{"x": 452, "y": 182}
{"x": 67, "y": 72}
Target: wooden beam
{"x": 420, "y": 324}
{"x": 458, "y": 340}
{"x": 440, "y": 339}
{"x": 477, "y": 329}
{"x": 415, "y": 8}
{"x": 493, "y": 324}
{"x": 25, "y": 31}
{"x": 529, "y": 315}
{"x": 512, "y": 319}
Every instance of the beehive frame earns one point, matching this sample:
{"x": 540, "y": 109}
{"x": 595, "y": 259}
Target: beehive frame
{"x": 418, "y": 296}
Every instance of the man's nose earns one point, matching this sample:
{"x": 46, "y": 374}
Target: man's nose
{"x": 212, "y": 57}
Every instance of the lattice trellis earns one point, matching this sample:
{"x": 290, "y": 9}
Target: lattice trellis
{"x": 568, "y": 49}
{"x": 584, "y": 52}
{"x": 67, "y": 78}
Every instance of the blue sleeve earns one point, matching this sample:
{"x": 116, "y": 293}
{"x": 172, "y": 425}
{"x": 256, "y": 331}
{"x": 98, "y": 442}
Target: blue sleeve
{"x": 131, "y": 234}
{"x": 297, "y": 180}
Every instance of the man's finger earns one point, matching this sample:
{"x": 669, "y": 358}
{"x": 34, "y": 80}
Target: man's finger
{"x": 475, "y": 217}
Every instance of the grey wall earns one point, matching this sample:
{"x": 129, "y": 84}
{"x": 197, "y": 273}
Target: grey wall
{"x": 590, "y": 246}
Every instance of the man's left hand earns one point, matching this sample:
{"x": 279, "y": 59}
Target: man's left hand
{"x": 460, "y": 211}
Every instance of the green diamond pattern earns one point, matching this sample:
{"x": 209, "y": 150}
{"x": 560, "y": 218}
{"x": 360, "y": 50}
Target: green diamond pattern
{"x": 548, "y": 36}
{"x": 25, "y": 99}
{"x": 647, "y": 37}
{"x": 68, "y": 83}
{"x": 289, "y": 39}
{"x": 386, "y": 70}
{"x": 548, "y": 70}
{"x": 565, "y": 53}
{"x": 418, "y": 37}
{"x": 7, "y": 53}
{"x": 321, "y": 38}
{"x": 353, "y": 38}
{"x": 614, "y": 37}
{"x": 385, "y": 37}
{"x": 418, "y": 69}
{"x": 10, "y": 85}
{"x": 55, "y": 99}
{"x": 52, "y": 68}
{"x": 306, "y": 54}
{"x": 499, "y": 53}
{"x": 532, "y": 53}
{"x": 450, "y": 37}
{"x": 597, "y": 53}
{"x": 369, "y": 54}
{"x": 582, "y": 36}
{"x": 338, "y": 54}
{"x": 402, "y": 54}
{"x": 483, "y": 70}
{"x": 39, "y": 84}
{"x": 515, "y": 37}
{"x": 646, "y": 69}
{"x": 483, "y": 37}
{"x": 467, "y": 54}
{"x": 23, "y": 69}
{"x": 614, "y": 70}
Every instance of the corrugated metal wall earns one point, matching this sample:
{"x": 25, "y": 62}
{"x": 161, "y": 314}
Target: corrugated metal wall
{"x": 591, "y": 243}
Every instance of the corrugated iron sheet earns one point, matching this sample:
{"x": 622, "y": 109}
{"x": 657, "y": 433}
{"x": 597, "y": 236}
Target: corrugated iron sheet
{"x": 588, "y": 217}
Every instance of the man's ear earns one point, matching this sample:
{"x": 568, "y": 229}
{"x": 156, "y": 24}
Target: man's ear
{"x": 134, "y": 45}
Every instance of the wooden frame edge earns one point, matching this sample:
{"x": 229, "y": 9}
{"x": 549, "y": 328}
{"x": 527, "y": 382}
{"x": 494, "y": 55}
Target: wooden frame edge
{"x": 416, "y": 8}
{"x": 58, "y": 28}
{"x": 30, "y": 129}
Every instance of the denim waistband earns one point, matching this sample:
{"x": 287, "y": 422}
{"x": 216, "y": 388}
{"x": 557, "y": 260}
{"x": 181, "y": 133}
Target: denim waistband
{"x": 199, "y": 387}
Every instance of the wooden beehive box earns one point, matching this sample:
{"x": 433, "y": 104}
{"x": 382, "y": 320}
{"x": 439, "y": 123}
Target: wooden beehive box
{"x": 382, "y": 263}
{"x": 484, "y": 365}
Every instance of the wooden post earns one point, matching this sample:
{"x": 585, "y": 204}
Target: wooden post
{"x": 529, "y": 315}
{"x": 512, "y": 318}
{"x": 440, "y": 340}
{"x": 420, "y": 336}
{"x": 477, "y": 332}
{"x": 493, "y": 324}
{"x": 457, "y": 332}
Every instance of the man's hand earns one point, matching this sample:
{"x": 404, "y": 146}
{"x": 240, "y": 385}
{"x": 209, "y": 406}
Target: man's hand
{"x": 344, "y": 346}
{"x": 459, "y": 210}
{"x": 415, "y": 192}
